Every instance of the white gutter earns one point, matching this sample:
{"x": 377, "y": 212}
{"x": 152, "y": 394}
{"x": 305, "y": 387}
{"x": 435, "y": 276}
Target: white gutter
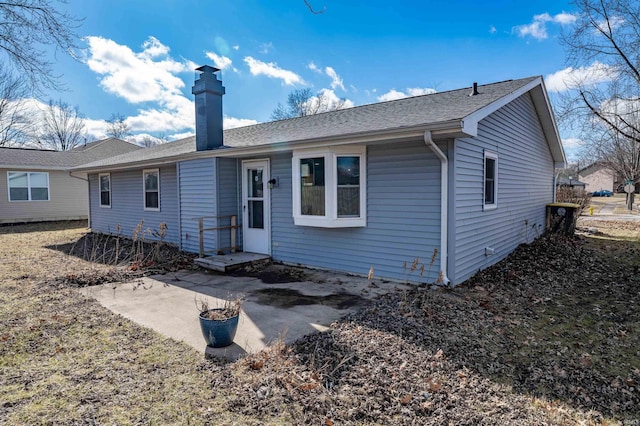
{"x": 444, "y": 204}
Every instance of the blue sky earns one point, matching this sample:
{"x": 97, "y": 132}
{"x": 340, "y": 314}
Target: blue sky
{"x": 138, "y": 56}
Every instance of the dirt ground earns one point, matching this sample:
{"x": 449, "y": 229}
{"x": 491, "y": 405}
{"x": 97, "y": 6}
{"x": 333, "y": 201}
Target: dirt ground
{"x": 549, "y": 335}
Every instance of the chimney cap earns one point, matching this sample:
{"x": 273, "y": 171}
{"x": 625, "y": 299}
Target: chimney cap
{"x": 207, "y": 69}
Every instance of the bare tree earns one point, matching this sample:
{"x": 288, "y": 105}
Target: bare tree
{"x": 26, "y": 27}
{"x": 302, "y": 102}
{"x": 616, "y": 152}
{"x": 602, "y": 48}
{"x": 147, "y": 141}
{"x": 117, "y": 127}
{"x": 62, "y": 127}
{"x": 315, "y": 12}
{"x": 13, "y": 117}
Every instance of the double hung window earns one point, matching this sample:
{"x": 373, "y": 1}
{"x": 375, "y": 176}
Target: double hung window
{"x": 151, "y": 180}
{"x": 490, "y": 180}
{"x": 105, "y": 190}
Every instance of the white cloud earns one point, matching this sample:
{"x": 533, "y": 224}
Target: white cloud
{"x": 571, "y": 143}
{"x": 314, "y": 67}
{"x": 151, "y": 78}
{"x": 266, "y": 47}
{"x": 329, "y": 101}
{"x": 538, "y": 27}
{"x": 182, "y": 135}
{"x": 336, "y": 81}
{"x": 232, "y": 122}
{"x": 272, "y": 70}
{"x": 219, "y": 61}
{"x": 614, "y": 22}
{"x": 236, "y": 47}
{"x": 391, "y": 95}
{"x": 565, "y": 18}
{"x": 136, "y": 77}
{"x": 394, "y": 94}
{"x": 153, "y": 48}
{"x": 570, "y": 78}
{"x": 492, "y": 29}
{"x": 418, "y": 91}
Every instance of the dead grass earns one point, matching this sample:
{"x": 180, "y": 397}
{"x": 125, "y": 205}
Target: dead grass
{"x": 66, "y": 360}
{"x": 548, "y": 336}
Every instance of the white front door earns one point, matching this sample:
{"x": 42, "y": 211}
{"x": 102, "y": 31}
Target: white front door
{"x": 256, "y": 207}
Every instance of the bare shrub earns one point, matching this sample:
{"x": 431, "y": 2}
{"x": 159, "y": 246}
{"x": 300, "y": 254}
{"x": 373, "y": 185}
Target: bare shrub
{"x": 566, "y": 194}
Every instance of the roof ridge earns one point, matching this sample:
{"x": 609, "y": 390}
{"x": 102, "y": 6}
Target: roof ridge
{"x": 382, "y": 102}
{"x": 29, "y": 149}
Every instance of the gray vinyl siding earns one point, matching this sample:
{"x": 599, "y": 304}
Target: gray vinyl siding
{"x": 403, "y": 217}
{"x": 525, "y": 186}
{"x": 68, "y": 200}
{"x": 197, "y": 199}
{"x": 229, "y": 183}
{"x": 127, "y": 205}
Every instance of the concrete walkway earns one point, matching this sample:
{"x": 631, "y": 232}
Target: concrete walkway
{"x": 608, "y": 208}
{"x": 167, "y": 304}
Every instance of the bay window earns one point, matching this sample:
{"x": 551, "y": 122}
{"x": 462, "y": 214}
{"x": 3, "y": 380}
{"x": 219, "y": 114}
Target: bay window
{"x": 329, "y": 187}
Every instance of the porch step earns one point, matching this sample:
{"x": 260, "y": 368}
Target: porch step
{"x": 225, "y": 262}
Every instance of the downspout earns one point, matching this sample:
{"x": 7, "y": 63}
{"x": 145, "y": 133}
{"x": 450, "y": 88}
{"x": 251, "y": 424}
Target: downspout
{"x": 444, "y": 204}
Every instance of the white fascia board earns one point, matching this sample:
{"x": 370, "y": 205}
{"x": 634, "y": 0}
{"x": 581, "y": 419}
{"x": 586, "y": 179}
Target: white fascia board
{"x": 548, "y": 120}
{"x": 22, "y": 167}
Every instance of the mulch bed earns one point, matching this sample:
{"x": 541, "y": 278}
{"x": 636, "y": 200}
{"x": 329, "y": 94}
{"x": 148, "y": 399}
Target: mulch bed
{"x": 547, "y": 335}
{"x": 130, "y": 259}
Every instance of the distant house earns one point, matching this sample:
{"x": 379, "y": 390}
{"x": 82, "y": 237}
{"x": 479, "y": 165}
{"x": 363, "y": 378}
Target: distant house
{"x": 570, "y": 183}
{"x": 461, "y": 177}
{"x": 35, "y": 185}
{"x": 598, "y": 177}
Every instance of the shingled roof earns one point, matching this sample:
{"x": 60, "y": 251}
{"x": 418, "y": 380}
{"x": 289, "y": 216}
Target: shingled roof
{"x": 62, "y": 160}
{"x": 424, "y": 111}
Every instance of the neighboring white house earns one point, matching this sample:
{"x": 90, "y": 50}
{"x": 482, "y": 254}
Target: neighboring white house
{"x": 35, "y": 185}
{"x": 461, "y": 176}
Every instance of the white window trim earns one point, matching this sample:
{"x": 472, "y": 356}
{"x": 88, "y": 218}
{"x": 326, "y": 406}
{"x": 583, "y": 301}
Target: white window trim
{"x": 100, "y": 176}
{"x": 28, "y": 200}
{"x": 494, "y": 156}
{"x": 144, "y": 190}
{"x": 330, "y": 219}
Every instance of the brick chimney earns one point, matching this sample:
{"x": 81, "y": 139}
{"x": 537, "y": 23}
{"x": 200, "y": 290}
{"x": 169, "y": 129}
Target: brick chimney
{"x": 208, "y": 91}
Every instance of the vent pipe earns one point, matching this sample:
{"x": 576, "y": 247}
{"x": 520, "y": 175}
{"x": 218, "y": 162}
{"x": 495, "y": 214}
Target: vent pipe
{"x": 474, "y": 91}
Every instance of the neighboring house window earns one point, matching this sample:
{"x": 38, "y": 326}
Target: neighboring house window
{"x": 151, "y": 189}
{"x": 105, "y": 190}
{"x": 329, "y": 187}
{"x": 28, "y": 186}
{"x": 490, "y": 180}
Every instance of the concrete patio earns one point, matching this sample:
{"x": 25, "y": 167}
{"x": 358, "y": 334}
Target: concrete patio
{"x": 167, "y": 304}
